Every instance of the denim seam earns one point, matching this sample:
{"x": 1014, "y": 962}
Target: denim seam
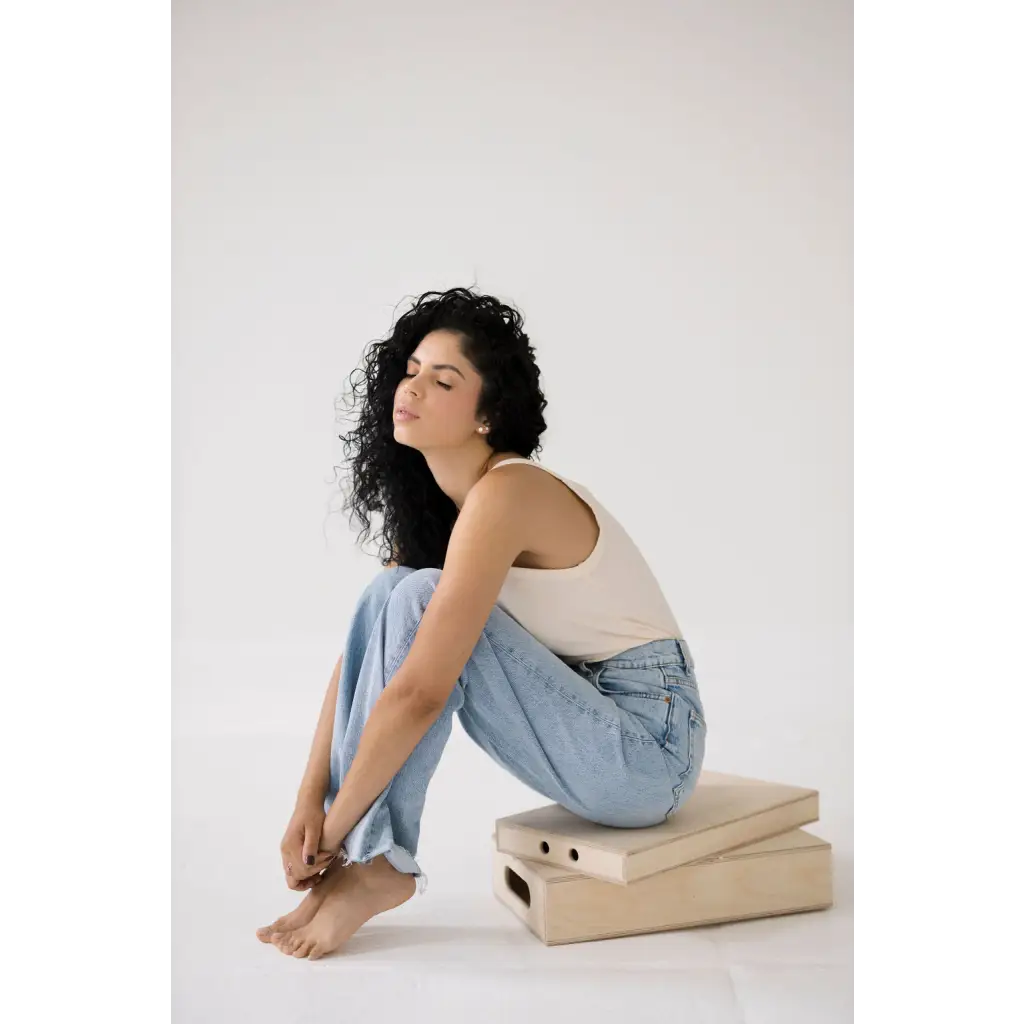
{"x": 678, "y": 787}
{"x": 649, "y": 661}
{"x": 403, "y": 651}
{"x": 655, "y": 662}
{"x": 407, "y": 643}
{"x": 569, "y": 697}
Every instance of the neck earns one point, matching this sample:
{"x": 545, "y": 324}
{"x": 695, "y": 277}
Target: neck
{"x": 456, "y": 472}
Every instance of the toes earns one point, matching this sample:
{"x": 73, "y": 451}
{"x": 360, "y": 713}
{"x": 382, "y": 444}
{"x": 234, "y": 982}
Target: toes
{"x": 281, "y": 926}
{"x": 298, "y": 942}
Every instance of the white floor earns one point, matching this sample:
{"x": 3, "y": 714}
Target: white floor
{"x": 454, "y": 953}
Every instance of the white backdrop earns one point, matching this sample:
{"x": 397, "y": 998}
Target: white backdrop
{"x": 664, "y": 191}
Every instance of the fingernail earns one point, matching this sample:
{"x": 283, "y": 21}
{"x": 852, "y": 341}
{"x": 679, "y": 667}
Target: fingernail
{"x": 310, "y": 859}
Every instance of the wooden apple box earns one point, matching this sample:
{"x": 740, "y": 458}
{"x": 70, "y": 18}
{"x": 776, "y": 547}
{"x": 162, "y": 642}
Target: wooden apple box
{"x": 724, "y": 812}
{"x": 786, "y": 874}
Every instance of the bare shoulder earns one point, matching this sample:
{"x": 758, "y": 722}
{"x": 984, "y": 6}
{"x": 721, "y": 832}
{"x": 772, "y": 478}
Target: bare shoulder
{"x": 507, "y": 484}
{"x": 511, "y": 482}
{"x": 513, "y": 492}
{"x": 558, "y": 527}
{"x": 526, "y": 481}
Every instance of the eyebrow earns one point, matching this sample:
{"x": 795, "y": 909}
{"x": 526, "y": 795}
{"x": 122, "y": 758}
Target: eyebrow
{"x": 440, "y": 366}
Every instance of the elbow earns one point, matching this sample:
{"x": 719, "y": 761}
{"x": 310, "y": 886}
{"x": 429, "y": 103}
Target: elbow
{"x": 419, "y": 702}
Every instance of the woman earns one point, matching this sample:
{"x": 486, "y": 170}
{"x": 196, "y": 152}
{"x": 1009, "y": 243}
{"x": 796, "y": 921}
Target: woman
{"x": 511, "y": 598}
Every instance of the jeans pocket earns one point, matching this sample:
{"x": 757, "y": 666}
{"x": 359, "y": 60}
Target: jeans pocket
{"x": 641, "y": 692}
{"x": 680, "y": 679}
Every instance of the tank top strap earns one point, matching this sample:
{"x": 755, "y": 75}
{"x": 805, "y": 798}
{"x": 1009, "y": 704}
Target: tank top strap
{"x": 503, "y": 461}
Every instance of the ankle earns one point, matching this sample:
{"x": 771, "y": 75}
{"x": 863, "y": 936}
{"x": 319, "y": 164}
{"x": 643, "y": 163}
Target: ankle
{"x": 381, "y": 871}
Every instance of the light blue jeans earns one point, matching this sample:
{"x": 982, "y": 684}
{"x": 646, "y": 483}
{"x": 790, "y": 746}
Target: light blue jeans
{"x": 619, "y": 742}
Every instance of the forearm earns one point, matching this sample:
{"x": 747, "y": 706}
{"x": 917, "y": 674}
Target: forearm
{"x": 395, "y": 725}
{"x": 317, "y": 775}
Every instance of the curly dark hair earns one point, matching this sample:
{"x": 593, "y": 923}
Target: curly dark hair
{"x": 393, "y": 479}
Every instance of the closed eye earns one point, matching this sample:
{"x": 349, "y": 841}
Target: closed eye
{"x": 447, "y": 387}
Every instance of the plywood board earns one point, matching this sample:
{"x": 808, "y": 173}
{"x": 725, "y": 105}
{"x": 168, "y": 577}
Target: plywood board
{"x": 785, "y": 874}
{"x": 724, "y": 812}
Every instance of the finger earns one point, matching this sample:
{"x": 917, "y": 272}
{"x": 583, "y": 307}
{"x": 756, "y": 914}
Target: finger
{"x": 302, "y": 873}
{"x": 314, "y": 878}
{"x": 310, "y": 843}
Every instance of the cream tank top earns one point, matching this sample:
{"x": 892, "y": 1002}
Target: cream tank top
{"x": 606, "y": 604}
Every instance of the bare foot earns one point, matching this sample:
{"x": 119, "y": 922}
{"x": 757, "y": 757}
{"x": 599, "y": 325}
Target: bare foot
{"x": 304, "y": 912}
{"x": 357, "y": 893}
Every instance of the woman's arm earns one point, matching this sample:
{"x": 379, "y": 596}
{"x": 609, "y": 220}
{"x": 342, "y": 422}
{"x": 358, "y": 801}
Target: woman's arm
{"x": 397, "y": 722}
{"x": 317, "y": 776}
{"x": 489, "y": 534}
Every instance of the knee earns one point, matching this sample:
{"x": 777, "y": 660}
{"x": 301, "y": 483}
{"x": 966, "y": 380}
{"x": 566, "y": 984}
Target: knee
{"x": 391, "y": 574}
{"x": 415, "y": 585}
{"x": 383, "y": 583}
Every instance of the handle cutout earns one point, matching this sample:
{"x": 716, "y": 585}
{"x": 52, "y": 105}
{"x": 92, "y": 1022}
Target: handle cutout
{"x": 517, "y": 885}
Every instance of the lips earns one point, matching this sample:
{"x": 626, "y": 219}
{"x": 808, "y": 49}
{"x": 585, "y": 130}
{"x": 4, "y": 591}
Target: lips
{"x": 403, "y": 411}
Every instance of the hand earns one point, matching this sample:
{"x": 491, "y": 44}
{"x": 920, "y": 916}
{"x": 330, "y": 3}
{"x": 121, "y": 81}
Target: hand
{"x": 301, "y": 842}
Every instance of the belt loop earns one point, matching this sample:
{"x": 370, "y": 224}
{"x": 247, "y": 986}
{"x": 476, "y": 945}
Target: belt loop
{"x": 683, "y": 656}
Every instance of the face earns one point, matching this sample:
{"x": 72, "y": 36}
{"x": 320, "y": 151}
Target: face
{"x": 441, "y": 388}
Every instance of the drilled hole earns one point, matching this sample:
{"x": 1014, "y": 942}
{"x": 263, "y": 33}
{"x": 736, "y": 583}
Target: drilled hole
{"x": 544, "y": 848}
{"x": 574, "y": 854}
